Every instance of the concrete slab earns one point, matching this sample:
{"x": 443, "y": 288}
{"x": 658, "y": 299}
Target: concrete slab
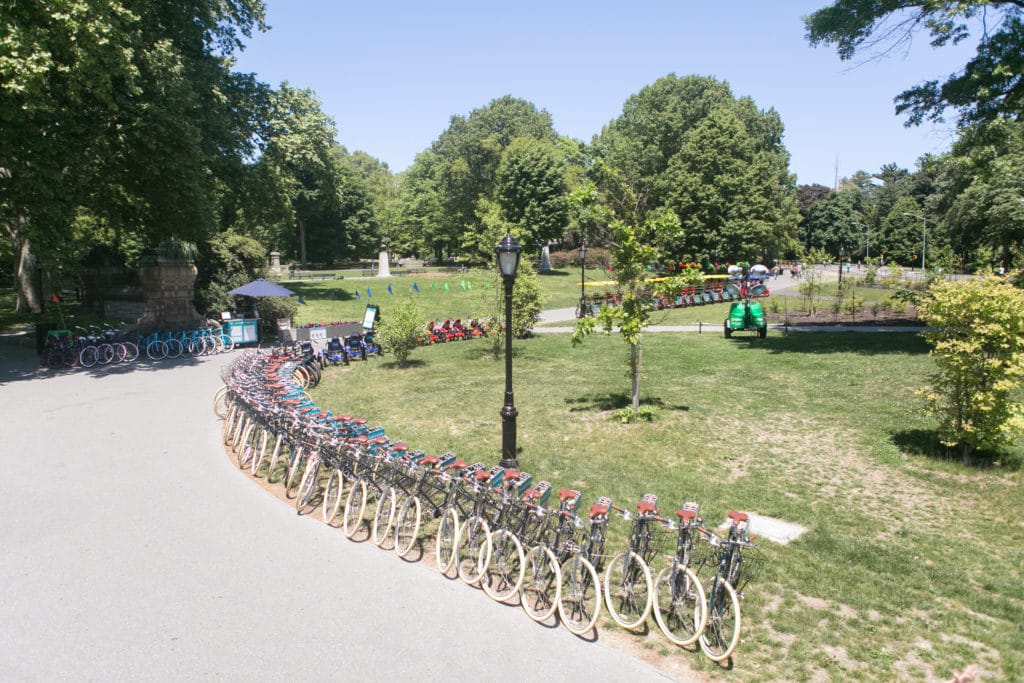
{"x": 771, "y": 528}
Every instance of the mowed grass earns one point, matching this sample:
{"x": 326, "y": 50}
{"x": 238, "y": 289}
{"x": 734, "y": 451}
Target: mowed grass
{"x": 912, "y": 564}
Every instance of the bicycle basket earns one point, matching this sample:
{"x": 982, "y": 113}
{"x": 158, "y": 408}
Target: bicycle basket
{"x": 747, "y": 567}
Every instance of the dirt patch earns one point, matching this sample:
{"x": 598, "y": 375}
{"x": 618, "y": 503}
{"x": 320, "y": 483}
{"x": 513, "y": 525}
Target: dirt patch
{"x": 885, "y": 318}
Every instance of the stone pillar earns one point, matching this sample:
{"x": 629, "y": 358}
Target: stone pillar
{"x": 168, "y": 291}
{"x": 275, "y": 262}
{"x": 384, "y": 265}
{"x": 545, "y": 259}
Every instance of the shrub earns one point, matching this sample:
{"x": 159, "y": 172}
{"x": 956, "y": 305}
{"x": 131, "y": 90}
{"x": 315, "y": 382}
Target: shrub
{"x": 976, "y": 330}
{"x": 399, "y": 330}
{"x": 274, "y": 308}
{"x": 597, "y": 257}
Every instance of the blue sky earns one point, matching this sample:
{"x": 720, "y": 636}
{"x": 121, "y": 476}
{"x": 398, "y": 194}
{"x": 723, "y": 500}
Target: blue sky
{"x": 391, "y": 74}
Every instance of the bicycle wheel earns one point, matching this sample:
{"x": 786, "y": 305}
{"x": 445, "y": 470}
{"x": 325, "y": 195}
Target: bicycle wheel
{"x": 627, "y": 589}
{"x": 384, "y": 516}
{"x": 88, "y": 357}
{"x": 505, "y": 570}
{"x": 246, "y": 447}
{"x": 120, "y": 352}
{"x": 220, "y": 403}
{"x": 722, "y": 632}
{"x": 156, "y": 350}
{"x": 355, "y": 506}
{"x": 679, "y": 604}
{"x": 473, "y": 550}
{"x": 174, "y": 348}
{"x": 447, "y": 540}
{"x": 308, "y": 487}
{"x": 542, "y": 584}
{"x": 226, "y": 343}
{"x": 131, "y": 352}
{"x": 579, "y": 601}
{"x": 105, "y": 354}
{"x": 407, "y": 525}
{"x": 296, "y": 464}
{"x": 275, "y": 455}
{"x": 333, "y": 495}
{"x": 261, "y": 451}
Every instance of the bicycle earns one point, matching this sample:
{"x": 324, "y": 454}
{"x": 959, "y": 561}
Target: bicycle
{"x": 627, "y": 581}
{"x": 473, "y": 548}
{"x": 539, "y": 593}
{"x": 579, "y": 601}
{"x": 721, "y": 634}
{"x": 504, "y": 572}
{"x": 679, "y": 602}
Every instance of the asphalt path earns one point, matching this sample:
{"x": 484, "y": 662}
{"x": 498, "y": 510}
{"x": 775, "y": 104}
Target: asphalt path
{"x": 133, "y": 549}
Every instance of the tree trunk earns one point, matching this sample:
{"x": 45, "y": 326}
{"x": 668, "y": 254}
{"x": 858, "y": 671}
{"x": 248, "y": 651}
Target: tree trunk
{"x": 635, "y": 362}
{"x": 26, "y": 279}
{"x": 302, "y": 240}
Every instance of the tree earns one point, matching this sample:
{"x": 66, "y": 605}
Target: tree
{"x": 299, "y": 170}
{"x": 226, "y": 261}
{"x": 990, "y": 85}
{"x": 530, "y": 187}
{"x": 527, "y": 300}
{"x": 716, "y": 161}
{"x": 976, "y": 331}
{"x": 121, "y": 110}
{"x": 461, "y": 167}
{"x": 633, "y": 250}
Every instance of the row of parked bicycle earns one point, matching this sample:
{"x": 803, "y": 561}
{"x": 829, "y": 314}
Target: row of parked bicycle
{"x": 93, "y": 346}
{"x": 494, "y": 528}
{"x": 438, "y": 332}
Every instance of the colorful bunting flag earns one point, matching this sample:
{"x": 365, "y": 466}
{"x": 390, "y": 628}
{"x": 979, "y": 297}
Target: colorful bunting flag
{"x": 55, "y": 299}
{"x": 369, "y": 293}
{"x": 389, "y": 290}
{"x": 462, "y": 283}
{"x": 446, "y": 286}
{"x": 357, "y": 296}
{"x": 415, "y": 287}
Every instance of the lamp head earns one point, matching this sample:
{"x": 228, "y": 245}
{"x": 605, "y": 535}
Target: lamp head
{"x": 509, "y": 252}
{"x": 583, "y": 250}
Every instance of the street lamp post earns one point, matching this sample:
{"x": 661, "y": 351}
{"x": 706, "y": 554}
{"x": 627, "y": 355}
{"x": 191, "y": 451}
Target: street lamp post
{"x": 924, "y": 233}
{"x": 842, "y": 253}
{"x": 509, "y": 252}
{"x": 583, "y": 265}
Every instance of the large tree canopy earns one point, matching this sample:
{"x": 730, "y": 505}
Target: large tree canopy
{"x": 990, "y": 85}
{"x": 686, "y": 144}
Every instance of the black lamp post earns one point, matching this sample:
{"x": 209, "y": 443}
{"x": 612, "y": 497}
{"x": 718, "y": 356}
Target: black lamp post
{"x": 583, "y": 266}
{"x": 509, "y": 252}
{"x": 842, "y": 253}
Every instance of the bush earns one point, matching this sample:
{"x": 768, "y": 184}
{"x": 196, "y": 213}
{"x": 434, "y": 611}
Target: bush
{"x": 399, "y": 330}
{"x": 597, "y": 257}
{"x": 274, "y": 308}
{"x": 976, "y": 330}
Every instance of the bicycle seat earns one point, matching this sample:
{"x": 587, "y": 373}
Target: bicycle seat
{"x": 379, "y": 441}
{"x": 361, "y": 439}
{"x": 565, "y": 494}
{"x": 360, "y": 421}
{"x": 685, "y": 515}
{"x": 645, "y": 508}
{"x": 532, "y": 494}
{"x": 458, "y": 463}
{"x": 598, "y": 510}
{"x": 429, "y": 460}
{"x": 738, "y": 517}
{"x": 510, "y": 476}
{"x": 482, "y": 475}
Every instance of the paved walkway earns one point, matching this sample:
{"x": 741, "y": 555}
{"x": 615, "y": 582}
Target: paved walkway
{"x": 133, "y": 549}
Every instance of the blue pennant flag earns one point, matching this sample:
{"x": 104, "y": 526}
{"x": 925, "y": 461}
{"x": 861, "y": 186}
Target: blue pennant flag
{"x": 301, "y": 301}
{"x": 369, "y": 293}
{"x": 357, "y": 295}
{"x": 415, "y": 287}
{"x": 389, "y": 290}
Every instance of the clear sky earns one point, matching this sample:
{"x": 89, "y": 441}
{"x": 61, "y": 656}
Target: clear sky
{"x": 391, "y": 74}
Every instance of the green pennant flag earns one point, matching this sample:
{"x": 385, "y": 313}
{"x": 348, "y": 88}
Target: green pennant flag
{"x": 487, "y": 285}
{"x": 469, "y": 285}
{"x": 462, "y": 283}
{"x": 446, "y": 286}
{"x": 433, "y": 285}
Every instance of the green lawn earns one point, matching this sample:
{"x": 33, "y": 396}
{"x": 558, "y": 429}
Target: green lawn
{"x": 912, "y": 566}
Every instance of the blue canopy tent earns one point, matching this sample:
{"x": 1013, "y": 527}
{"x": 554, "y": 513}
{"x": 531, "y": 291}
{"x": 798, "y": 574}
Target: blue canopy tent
{"x": 261, "y": 287}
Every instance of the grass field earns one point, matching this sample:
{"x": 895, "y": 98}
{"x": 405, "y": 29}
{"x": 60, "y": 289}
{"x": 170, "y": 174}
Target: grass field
{"x": 912, "y": 565}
